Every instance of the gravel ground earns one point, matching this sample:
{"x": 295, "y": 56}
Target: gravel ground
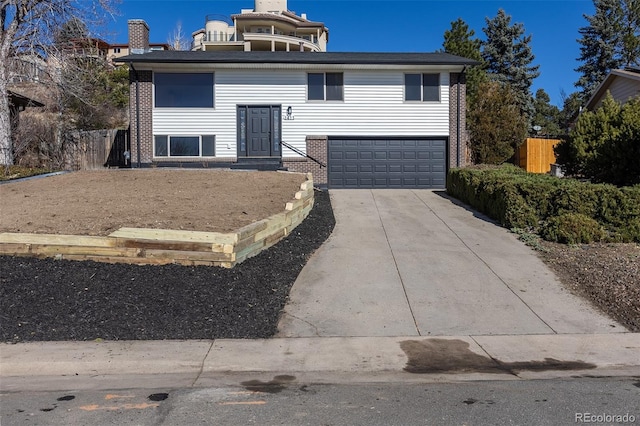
{"x": 49, "y": 300}
{"x": 608, "y": 275}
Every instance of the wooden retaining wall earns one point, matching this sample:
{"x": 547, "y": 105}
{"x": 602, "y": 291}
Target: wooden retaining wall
{"x": 162, "y": 246}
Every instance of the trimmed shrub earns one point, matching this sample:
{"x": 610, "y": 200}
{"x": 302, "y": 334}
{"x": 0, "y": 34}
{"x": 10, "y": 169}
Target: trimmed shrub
{"x": 572, "y": 228}
{"x": 518, "y": 199}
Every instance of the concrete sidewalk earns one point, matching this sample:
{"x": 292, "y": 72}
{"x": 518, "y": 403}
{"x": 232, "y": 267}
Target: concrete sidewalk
{"x": 411, "y": 287}
{"x": 177, "y": 364}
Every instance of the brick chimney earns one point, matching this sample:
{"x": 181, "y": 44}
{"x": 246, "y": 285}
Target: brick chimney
{"x": 138, "y": 36}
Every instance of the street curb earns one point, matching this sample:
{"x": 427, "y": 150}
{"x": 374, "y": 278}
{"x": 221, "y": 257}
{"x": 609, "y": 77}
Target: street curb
{"x": 130, "y": 364}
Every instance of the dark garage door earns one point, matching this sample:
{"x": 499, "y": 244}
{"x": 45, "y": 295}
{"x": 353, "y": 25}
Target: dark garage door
{"x": 387, "y": 163}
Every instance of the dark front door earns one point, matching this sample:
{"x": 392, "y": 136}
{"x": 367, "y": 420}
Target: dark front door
{"x": 259, "y": 132}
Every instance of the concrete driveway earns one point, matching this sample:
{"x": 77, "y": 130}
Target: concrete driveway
{"x": 416, "y": 263}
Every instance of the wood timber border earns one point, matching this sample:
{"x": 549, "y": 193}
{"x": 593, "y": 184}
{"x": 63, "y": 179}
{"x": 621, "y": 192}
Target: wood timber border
{"x": 165, "y": 246}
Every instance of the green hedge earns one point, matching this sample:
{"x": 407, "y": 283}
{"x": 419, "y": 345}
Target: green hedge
{"x": 564, "y": 210}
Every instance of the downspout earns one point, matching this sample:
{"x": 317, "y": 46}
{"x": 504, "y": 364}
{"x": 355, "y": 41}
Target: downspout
{"x": 459, "y": 121}
{"x": 135, "y": 73}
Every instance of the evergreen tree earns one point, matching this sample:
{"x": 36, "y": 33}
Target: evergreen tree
{"x": 630, "y": 26}
{"x": 546, "y": 116}
{"x": 598, "y": 46}
{"x": 610, "y": 41}
{"x": 459, "y": 40}
{"x": 73, "y": 29}
{"x": 603, "y": 145}
{"x": 507, "y": 53}
{"x": 496, "y": 124}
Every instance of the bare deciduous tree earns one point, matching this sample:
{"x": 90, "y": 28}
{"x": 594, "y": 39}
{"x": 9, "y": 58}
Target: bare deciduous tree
{"x": 177, "y": 40}
{"x": 27, "y": 30}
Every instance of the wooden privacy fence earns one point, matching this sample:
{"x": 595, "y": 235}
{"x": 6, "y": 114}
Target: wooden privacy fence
{"x": 536, "y": 155}
{"x": 97, "y": 149}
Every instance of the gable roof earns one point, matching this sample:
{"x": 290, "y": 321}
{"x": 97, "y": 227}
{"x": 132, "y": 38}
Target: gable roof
{"x": 631, "y": 73}
{"x": 306, "y": 58}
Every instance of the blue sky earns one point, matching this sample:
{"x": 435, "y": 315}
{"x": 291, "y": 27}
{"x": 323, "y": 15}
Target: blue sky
{"x": 395, "y": 26}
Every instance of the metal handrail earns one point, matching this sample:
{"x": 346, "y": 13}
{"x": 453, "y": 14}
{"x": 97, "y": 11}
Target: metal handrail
{"x": 299, "y": 152}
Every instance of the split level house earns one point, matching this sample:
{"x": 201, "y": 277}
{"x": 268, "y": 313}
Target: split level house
{"x": 354, "y": 120}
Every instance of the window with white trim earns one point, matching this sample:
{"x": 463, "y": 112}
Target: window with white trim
{"x": 422, "y": 87}
{"x": 184, "y": 146}
{"x": 327, "y": 86}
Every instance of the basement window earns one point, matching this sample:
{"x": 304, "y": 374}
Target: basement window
{"x": 184, "y": 146}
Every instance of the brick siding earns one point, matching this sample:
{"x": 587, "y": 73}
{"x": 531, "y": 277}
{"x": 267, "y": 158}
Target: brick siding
{"x": 146, "y": 118}
{"x": 457, "y": 87}
{"x": 138, "y": 36}
{"x": 317, "y": 148}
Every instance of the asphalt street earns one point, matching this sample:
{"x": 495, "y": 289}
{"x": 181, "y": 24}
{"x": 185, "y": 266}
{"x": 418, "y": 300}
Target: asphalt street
{"x": 287, "y": 402}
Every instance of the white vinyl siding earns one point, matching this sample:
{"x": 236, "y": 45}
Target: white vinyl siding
{"x": 373, "y": 105}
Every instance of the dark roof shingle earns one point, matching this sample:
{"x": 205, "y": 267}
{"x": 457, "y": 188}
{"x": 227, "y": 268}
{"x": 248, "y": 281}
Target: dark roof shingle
{"x": 362, "y": 58}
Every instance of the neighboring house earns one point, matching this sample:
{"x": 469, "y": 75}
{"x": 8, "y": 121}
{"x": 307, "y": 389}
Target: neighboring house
{"x": 376, "y": 120}
{"x": 86, "y": 47}
{"x": 623, "y": 85}
{"x": 117, "y": 51}
{"x": 18, "y": 103}
{"x": 270, "y": 26}
{"x": 27, "y": 68}
{"x": 98, "y": 48}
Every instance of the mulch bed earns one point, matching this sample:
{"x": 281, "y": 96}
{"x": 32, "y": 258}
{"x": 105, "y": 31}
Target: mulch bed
{"x": 53, "y": 300}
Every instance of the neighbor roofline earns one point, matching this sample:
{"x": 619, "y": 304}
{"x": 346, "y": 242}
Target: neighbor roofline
{"x": 606, "y": 83}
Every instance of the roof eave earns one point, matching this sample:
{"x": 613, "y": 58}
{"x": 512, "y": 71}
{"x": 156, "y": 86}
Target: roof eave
{"x": 606, "y": 83}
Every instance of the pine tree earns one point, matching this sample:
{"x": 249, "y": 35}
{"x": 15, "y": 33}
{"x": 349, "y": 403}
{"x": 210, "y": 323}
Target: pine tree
{"x": 598, "y": 46}
{"x": 546, "y": 116}
{"x": 571, "y": 107}
{"x": 610, "y": 41}
{"x": 459, "y": 41}
{"x": 630, "y": 27}
{"x": 603, "y": 144}
{"x": 496, "y": 124}
{"x": 72, "y": 30}
{"x": 507, "y": 53}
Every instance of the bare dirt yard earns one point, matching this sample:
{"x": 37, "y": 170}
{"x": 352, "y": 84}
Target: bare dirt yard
{"x": 608, "y": 275}
{"x": 100, "y": 202}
